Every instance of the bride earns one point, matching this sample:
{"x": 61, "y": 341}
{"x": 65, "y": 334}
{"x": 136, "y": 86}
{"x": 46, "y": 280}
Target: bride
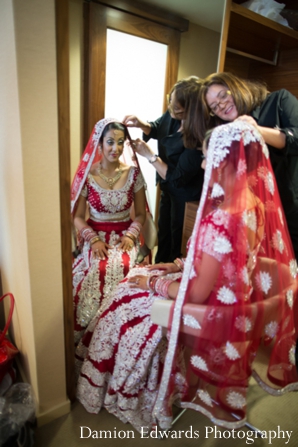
{"x": 137, "y": 374}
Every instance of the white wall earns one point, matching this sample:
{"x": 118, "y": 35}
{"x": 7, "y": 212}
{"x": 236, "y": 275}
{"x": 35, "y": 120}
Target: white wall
{"x": 30, "y": 253}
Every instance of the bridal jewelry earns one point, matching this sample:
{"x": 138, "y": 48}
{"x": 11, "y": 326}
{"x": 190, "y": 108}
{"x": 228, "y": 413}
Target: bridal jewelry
{"x": 110, "y": 180}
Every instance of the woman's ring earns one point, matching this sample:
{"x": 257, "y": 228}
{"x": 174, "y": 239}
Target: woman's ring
{"x": 137, "y": 281}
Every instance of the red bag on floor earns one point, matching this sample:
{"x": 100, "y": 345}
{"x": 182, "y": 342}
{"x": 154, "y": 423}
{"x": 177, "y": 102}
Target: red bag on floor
{"x": 7, "y": 350}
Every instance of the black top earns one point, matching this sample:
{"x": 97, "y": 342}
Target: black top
{"x": 280, "y": 110}
{"x": 185, "y": 175}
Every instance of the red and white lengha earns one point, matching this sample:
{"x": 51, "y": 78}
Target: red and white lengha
{"x": 93, "y": 279}
{"x": 124, "y": 354}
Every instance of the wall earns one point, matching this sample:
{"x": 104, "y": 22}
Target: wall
{"x": 199, "y": 49}
{"x": 30, "y": 253}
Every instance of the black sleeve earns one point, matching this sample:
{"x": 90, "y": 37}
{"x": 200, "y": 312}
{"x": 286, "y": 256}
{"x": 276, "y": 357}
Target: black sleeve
{"x": 160, "y": 128}
{"x": 187, "y": 168}
{"x": 288, "y": 120}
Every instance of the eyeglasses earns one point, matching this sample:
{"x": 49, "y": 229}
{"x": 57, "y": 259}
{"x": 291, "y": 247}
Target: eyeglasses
{"x": 222, "y": 98}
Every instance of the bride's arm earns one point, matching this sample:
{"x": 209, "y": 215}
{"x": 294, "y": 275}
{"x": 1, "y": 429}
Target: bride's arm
{"x": 200, "y": 287}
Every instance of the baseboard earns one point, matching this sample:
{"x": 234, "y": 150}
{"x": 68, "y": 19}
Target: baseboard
{"x": 53, "y": 413}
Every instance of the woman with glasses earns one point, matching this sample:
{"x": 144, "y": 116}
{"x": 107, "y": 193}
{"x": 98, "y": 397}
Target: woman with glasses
{"x": 178, "y": 169}
{"x": 225, "y": 97}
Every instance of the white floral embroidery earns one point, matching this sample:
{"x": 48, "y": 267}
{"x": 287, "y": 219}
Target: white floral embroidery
{"x": 190, "y": 321}
{"x": 252, "y": 180}
{"x": 217, "y": 191}
{"x": 205, "y": 397}
{"x": 236, "y": 400}
{"x": 86, "y": 157}
{"x": 292, "y": 355}
{"x": 265, "y": 150}
{"x": 199, "y": 362}
{"x": 243, "y": 324}
{"x": 267, "y": 177}
{"x": 226, "y": 296}
{"x": 245, "y": 276}
{"x": 264, "y": 281}
{"x": 241, "y": 168}
{"x": 223, "y": 136}
{"x": 280, "y": 216}
{"x": 222, "y": 245}
{"x": 290, "y": 298}
{"x": 221, "y": 217}
{"x": 207, "y": 237}
{"x": 229, "y": 269}
{"x": 269, "y": 183}
{"x": 277, "y": 241}
{"x": 271, "y": 329}
{"x": 231, "y": 352}
{"x": 250, "y": 219}
{"x": 293, "y": 268}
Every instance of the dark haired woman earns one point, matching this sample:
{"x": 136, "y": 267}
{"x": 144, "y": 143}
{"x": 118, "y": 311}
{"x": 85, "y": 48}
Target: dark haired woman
{"x": 178, "y": 169}
{"x": 225, "y": 97}
{"x": 105, "y": 188}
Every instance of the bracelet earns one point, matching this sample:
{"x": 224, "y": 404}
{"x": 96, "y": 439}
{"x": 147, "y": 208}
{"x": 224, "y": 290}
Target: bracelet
{"x": 153, "y": 159}
{"x": 131, "y": 237}
{"x": 87, "y": 233}
{"x": 162, "y": 286}
{"x": 151, "y": 280}
{"x": 94, "y": 239}
{"x": 179, "y": 263}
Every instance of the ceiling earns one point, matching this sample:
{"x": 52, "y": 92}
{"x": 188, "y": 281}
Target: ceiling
{"x": 207, "y": 13}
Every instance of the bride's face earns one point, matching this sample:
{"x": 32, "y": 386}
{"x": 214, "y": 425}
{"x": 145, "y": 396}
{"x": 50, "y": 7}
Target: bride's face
{"x": 112, "y": 145}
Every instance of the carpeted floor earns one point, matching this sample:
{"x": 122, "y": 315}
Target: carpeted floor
{"x": 273, "y": 415}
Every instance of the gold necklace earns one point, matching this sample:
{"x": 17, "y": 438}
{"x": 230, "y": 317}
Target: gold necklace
{"x": 109, "y": 180}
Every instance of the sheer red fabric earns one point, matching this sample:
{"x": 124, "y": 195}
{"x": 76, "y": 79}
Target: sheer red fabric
{"x": 238, "y": 291}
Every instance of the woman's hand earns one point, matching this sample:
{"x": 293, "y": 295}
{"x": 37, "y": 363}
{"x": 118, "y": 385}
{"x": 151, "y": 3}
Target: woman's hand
{"x": 247, "y": 119}
{"x": 168, "y": 267}
{"x": 138, "y": 282}
{"x": 125, "y": 243}
{"x": 134, "y": 121}
{"x": 100, "y": 250}
{"x": 142, "y": 148}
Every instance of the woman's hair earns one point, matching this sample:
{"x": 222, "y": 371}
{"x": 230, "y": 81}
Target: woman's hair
{"x": 116, "y": 126}
{"x": 247, "y": 95}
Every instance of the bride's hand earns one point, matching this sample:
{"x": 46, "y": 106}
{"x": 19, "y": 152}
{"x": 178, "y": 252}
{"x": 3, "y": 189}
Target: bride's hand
{"x": 138, "y": 282}
{"x": 167, "y": 267}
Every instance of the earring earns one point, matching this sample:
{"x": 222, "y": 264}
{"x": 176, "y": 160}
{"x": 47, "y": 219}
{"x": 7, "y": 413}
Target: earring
{"x": 211, "y": 114}
{"x": 100, "y": 149}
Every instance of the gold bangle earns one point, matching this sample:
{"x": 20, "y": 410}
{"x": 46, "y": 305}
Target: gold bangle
{"x": 131, "y": 237}
{"x": 95, "y": 239}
